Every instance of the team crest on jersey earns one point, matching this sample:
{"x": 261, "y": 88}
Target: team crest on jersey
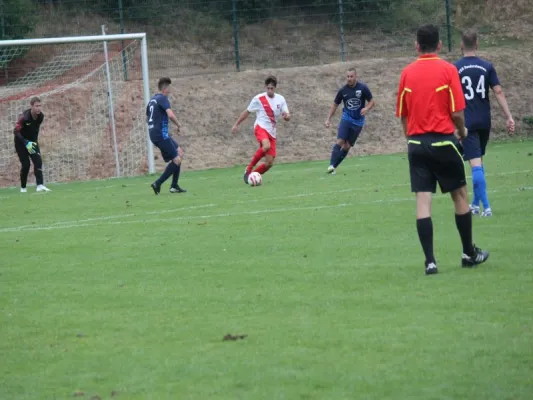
{"x": 357, "y": 93}
{"x": 278, "y": 106}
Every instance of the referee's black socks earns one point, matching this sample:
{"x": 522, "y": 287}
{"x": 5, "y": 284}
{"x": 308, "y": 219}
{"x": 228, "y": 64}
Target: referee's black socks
{"x": 424, "y": 226}
{"x": 464, "y": 226}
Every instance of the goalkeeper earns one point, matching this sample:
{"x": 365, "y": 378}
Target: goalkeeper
{"x": 26, "y": 132}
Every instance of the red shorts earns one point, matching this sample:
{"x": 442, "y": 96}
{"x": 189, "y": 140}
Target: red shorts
{"x": 261, "y": 134}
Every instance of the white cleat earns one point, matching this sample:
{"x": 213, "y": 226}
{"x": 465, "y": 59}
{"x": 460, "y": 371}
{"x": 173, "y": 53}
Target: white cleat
{"x": 42, "y": 188}
{"x": 23, "y": 190}
{"x": 331, "y": 170}
{"x": 474, "y": 210}
{"x": 487, "y": 213}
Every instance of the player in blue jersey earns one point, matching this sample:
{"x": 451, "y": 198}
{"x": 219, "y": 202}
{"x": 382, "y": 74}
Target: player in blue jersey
{"x": 477, "y": 76}
{"x": 355, "y": 96}
{"x": 158, "y": 113}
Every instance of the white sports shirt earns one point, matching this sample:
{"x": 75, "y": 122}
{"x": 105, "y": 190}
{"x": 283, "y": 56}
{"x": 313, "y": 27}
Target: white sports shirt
{"x": 268, "y": 110}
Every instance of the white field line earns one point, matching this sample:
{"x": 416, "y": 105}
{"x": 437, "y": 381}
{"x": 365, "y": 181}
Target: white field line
{"x": 185, "y": 217}
{"x": 117, "y": 216}
{"x": 274, "y": 172}
{"x": 106, "y": 220}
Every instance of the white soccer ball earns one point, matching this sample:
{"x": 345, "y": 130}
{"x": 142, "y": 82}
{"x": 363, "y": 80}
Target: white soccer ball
{"x": 255, "y": 179}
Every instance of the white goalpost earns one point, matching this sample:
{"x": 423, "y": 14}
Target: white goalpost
{"x": 93, "y": 90}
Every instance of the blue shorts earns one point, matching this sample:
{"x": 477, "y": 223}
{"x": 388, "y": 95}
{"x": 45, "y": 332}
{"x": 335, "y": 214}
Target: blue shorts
{"x": 348, "y": 131}
{"x": 475, "y": 143}
{"x": 168, "y": 148}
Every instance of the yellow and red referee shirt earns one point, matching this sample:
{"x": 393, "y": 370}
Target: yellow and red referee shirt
{"x": 430, "y": 91}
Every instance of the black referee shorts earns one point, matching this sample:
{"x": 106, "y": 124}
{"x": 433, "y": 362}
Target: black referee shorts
{"x": 433, "y": 158}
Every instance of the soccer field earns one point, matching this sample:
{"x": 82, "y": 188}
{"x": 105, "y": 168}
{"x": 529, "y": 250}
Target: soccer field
{"x": 110, "y": 291}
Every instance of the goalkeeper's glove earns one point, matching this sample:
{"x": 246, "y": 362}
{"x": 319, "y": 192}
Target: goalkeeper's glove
{"x": 31, "y": 146}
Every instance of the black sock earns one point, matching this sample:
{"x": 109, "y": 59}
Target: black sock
{"x": 169, "y": 170}
{"x": 24, "y": 171}
{"x": 424, "y": 226}
{"x": 464, "y": 226}
{"x": 176, "y": 176}
{"x": 342, "y": 155}
{"x": 335, "y": 154}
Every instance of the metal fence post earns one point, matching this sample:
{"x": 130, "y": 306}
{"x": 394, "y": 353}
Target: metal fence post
{"x": 449, "y": 25}
{"x": 341, "y": 22}
{"x": 236, "y": 36}
{"x": 121, "y": 18}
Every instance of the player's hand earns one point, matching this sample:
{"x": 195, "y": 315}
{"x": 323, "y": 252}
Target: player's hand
{"x": 510, "y": 126}
{"x": 364, "y": 111}
{"x": 327, "y": 124}
{"x": 286, "y": 116}
{"x": 31, "y": 146}
{"x": 180, "y": 152}
{"x": 234, "y": 129}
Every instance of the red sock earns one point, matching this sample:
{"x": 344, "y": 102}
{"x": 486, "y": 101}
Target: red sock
{"x": 259, "y": 154}
{"x": 262, "y": 169}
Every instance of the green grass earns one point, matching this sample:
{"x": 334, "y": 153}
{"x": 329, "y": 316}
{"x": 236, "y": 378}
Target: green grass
{"x": 106, "y": 287}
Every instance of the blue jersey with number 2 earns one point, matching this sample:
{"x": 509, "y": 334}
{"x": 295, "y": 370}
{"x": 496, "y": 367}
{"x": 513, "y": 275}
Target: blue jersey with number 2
{"x": 157, "y": 118}
{"x": 477, "y": 76}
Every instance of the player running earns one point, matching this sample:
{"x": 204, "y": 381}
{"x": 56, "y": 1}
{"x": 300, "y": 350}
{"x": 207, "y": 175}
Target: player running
{"x": 269, "y": 107}
{"x": 354, "y": 95}
{"x": 26, "y": 134}
{"x": 477, "y": 75}
{"x": 158, "y": 113}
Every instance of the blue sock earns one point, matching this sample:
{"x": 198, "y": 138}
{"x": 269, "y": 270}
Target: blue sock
{"x": 169, "y": 170}
{"x": 335, "y": 153}
{"x": 480, "y": 186}
{"x": 176, "y": 176}
{"x": 342, "y": 156}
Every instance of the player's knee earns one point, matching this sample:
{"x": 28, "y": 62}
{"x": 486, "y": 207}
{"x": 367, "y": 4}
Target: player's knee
{"x": 265, "y": 147}
{"x": 341, "y": 142}
{"x": 25, "y": 165}
{"x": 177, "y": 160}
{"x": 269, "y": 162}
{"x": 346, "y": 146}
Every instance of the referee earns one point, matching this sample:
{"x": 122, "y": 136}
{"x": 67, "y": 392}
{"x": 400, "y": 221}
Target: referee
{"x": 430, "y": 104}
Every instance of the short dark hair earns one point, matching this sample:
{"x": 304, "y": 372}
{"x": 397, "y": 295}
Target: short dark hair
{"x": 163, "y": 83}
{"x": 469, "y": 39}
{"x": 271, "y": 80}
{"x": 34, "y": 100}
{"x": 351, "y": 69}
{"x": 427, "y": 37}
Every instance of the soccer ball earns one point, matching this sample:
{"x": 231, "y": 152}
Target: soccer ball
{"x": 255, "y": 179}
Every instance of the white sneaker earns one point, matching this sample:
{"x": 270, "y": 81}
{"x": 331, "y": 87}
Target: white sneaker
{"x": 42, "y": 188}
{"x": 331, "y": 170}
{"x": 474, "y": 209}
{"x": 487, "y": 213}
{"x": 23, "y": 190}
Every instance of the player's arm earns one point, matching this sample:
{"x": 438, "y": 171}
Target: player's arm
{"x": 30, "y": 146}
{"x": 502, "y": 101}
{"x": 494, "y": 83}
{"x": 457, "y": 104}
{"x": 241, "y": 118}
{"x": 336, "y": 102}
{"x": 401, "y": 103}
{"x": 371, "y": 103}
{"x": 172, "y": 117}
{"x": 285, "y": 112}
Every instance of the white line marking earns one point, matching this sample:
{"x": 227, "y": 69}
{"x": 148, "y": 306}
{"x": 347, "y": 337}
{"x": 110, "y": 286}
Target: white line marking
{"x": 82, "y": 221}
{"x": 186, "y": 217}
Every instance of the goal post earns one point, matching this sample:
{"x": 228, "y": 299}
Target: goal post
{"x": 94, "y": 125}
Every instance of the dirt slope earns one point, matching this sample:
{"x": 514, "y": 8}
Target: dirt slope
{"x": 208, "y": 105}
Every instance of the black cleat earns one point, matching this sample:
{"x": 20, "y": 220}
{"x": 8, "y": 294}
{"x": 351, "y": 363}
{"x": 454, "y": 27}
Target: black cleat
{"x": 246, "y": 174}
{"x": 479, "y": 257}
{"x": 431, "y": 268}
{"x": 177, "y": 189}
{"x": 156, "y": 187}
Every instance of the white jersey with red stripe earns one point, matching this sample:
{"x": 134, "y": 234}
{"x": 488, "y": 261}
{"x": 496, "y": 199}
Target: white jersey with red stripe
{"x": 268, "y": 110}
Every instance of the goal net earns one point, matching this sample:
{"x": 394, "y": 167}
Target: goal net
{"x": 93, "y": 91}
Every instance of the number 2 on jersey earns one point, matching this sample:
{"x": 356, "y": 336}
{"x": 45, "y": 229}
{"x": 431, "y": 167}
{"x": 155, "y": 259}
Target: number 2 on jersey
{"x": 151, "y": 113}
{"x": 469, "y": 90}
